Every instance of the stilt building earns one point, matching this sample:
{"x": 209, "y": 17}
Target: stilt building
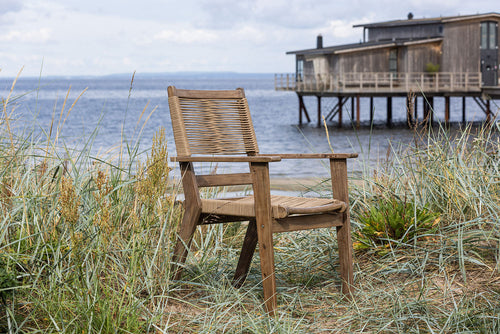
{"x": 454, "y": 56}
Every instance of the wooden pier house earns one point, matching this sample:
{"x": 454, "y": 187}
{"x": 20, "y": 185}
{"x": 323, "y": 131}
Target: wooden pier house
{"x": 455, "y": 56}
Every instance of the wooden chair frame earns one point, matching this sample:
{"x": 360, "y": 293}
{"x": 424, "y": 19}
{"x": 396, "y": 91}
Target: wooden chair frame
{"x": 263, "y": 219}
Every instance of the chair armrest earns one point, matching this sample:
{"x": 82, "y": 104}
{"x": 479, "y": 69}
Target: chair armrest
{"x": 313, "y": 155}
{"x": 259, "y": 158}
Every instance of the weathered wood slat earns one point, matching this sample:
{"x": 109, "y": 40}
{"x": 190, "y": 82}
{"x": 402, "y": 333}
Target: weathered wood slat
{"x": 298, "y": 223}
{"x": 226, "y": 159}
{"x": 206, "y": 94}
{"x": 224, "y": 180}
{"x": 313, "y": 155}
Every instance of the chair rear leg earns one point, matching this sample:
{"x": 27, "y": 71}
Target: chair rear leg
{"x": 246, "y": 255}
{"x": 345, "y": 256}
{"x": 340, "y": 191}
{"x": 184, "y": 238}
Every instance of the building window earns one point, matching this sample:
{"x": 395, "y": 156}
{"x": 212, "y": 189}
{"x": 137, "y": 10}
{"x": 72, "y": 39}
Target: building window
{"x": 489, "y": 39}
{"x": 492, "y": 32}
{"x": 393, "y": 61}
{"x": 300, "y": 69}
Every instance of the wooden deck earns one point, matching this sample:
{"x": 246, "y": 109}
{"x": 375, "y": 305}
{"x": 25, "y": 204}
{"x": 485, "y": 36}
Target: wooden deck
{"x": 388, "y": 85}
{"x": 381, "y": 83}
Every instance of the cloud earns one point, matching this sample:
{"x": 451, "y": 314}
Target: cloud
{"x": 224, "y": 14}
{"x": 31, "y": 36}
{"x": 8, "y": 7}
{"x": 186, "y": 36}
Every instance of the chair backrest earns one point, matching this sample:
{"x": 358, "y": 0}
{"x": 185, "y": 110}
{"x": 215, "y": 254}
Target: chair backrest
{"x": 211, "y": 122}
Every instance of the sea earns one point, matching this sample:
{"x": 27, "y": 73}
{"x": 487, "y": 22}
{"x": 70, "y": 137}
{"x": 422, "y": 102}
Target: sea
{"x": 99, "y": 114}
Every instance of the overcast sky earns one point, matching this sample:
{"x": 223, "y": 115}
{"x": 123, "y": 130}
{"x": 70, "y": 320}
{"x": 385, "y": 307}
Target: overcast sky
{"x": 97, "y": 37}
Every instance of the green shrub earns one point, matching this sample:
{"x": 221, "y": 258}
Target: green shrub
{"x": 393, "y": 220}
{"x": 430, "y": 67}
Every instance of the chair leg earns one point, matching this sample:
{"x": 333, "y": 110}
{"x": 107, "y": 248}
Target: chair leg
{"x": 263, "y": 218}
{"x": 345, "y": 256}
{"x": 246, "y": 254}
{"x": 340, "y": 191}
{"x": 266, "y": 252}
{"x": 184, "y": 237}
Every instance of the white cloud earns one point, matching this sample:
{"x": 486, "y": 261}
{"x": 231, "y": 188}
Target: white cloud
{"x": 32, "y": 36}
{"x": 187, "y": 36}
{"x": 10, "y": 6}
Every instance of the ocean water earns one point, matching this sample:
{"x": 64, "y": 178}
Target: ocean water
{"x": 110, "y": 108}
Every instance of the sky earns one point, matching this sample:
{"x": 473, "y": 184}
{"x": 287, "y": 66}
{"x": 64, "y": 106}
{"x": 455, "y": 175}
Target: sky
{"x": 101, "y": 37}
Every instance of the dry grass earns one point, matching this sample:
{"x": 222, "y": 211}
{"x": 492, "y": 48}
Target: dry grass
{"x": 85, "y": 247}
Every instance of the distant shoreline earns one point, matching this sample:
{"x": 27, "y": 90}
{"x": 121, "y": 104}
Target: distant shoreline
{"x": 146, "y": 75}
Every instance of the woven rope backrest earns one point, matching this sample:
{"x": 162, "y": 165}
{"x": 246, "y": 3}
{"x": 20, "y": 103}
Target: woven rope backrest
{"x": 211, "y": 122}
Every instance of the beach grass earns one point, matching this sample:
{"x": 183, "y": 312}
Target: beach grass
{"x": 85, "y": 244}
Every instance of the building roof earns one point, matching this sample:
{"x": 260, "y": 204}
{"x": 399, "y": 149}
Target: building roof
{"x": 358, "y": 47}
{"x": 441, "y": 19}
{"x": 362, "y": 46}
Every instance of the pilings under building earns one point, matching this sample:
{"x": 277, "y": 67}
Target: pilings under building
{"x": 420, "y": 90}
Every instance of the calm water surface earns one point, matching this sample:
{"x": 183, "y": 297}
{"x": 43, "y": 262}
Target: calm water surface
{"x": 113, "y": 106}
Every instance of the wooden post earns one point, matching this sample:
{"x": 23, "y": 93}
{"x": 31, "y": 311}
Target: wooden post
{"x": 352, "y": 108}
{"x": 415, "y": 110}
{"x": 357, "y": 112}
{"x": 463, "y": 110}
{"x": 371, "y": 110}
{"x": 263, "y": 218}
{"x": 426, "y": 110}
{"x": 447, "y": 110}
{"x": 431, "y": 109}
{"x": 319, "y": 111}
{"x": 341, "y": 102}
{"x": 488, "y": 112}
{"x": 389, "y": 111}
{"x": 338, "y": 169}
{"x": 301, "y": 102}
{"x": 409, "y": 113}
{"x": 302, "y": 109}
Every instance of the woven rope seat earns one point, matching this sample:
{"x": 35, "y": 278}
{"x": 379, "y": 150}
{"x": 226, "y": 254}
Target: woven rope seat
{"x": 281, "y": 206}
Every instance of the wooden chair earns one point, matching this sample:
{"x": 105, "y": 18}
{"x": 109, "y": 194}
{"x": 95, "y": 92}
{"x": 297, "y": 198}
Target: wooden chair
{"x": 215, "y": 126}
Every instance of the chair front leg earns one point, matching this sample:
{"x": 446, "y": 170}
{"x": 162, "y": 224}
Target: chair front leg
{"x": 263, "y": 217}
{"x": 184, "y": 237}
{"x": 338, "y": 169}
{"x": 190, "y": 220}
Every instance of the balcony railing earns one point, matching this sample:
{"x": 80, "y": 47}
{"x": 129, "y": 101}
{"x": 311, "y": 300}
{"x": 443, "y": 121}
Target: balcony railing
{"x": 380, "y": 82}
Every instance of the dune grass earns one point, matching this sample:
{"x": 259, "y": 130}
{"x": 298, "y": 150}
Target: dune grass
{"x": 85, "y": 246}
